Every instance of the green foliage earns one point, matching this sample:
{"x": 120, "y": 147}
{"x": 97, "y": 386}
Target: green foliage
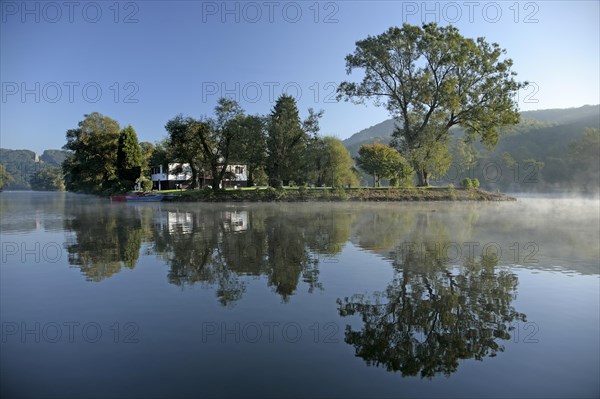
{"x": 382, "y": 161}
{"x": 48, "y": 179}
{"x": 23, "y": 164}
{"x": 251, "y": 147}
{"x": 147, "y": 150}
{"x": 518, "y": 154}
{"x": 584, "y": 155}
{"x": 161, "y": 155}
{"x": 146, "y": 185}
{"x": 5, "y": 177}
{"x": 286, "y": 143}
{"x": 183, "y": 145}
{"x": 331, "y": 163}
{"x": 91, "y": 164}
{"x": 470, "y": 184}
{"x": 431, "y": 78}
{"x": 213, "y": 142}
{"x": 129, "y": 158}
{"x": 53, "y": 158}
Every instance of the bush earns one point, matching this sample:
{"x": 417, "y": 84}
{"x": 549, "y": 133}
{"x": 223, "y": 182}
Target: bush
{"x": 340, "y": 193}
{"x": 146, "y": 185}
{"x": 475, "y": 183}
{"x": 467, "y": 183}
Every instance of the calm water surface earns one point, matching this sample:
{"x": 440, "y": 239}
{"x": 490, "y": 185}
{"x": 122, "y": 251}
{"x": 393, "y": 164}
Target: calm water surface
{"x": 294, "y": 300}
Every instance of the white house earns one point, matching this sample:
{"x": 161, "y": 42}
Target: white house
{"x": 180, "y": 176}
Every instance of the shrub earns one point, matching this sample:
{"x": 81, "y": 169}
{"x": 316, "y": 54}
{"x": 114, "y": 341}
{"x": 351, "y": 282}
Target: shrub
{"x": 146, "y": 185}
{"x": 467, "y": 183}
{"x": 475, "y": 183}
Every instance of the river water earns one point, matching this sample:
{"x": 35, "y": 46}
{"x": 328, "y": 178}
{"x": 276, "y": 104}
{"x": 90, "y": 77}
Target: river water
{"x": 101, "y": 299}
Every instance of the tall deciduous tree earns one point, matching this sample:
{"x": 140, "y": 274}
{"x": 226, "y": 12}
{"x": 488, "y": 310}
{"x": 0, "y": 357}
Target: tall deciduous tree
{"x": 129, "y": 158}
{"x": 209, "y": 143}
{"x": 431, "y": 78}
{"x": 221, "y": 138}
{"x": 183, "y": 143}
{"x": 382, "y": 161}
{"x": 91, "y": 163}
{"x": 251, "y": 148}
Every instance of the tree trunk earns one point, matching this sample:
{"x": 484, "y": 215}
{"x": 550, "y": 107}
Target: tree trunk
{"x": 194, "y": 177}
{"x": 216, "y": 178}
{"x": 422, "y": 178}
{"x": 250, "y": 181}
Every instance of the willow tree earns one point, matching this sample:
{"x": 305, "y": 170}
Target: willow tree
{"x": 430, "y": 79}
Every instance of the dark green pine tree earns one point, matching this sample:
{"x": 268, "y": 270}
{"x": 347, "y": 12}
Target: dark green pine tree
{"x": 286, "y": 142}
{"x": 129, "y": 158}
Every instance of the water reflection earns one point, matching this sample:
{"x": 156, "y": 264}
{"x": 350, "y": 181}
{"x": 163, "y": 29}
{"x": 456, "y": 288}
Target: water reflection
{"x": 434, "y": 312}
{"x": 424, "y": 323}
{"x": 218, "y": 248}
{"x": 377, "y": 272}
{"x": 104, "y": 239}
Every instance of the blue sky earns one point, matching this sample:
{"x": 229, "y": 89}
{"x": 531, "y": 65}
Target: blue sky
{"x": 143, "y": 62}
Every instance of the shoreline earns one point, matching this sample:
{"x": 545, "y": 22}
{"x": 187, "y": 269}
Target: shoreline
{"x": 370, "y": 194}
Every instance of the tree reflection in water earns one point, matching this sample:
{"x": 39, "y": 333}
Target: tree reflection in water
{"x": 104, "y": 239}
{"x": 433, "y": 313}
{"x": 219, "y": 248}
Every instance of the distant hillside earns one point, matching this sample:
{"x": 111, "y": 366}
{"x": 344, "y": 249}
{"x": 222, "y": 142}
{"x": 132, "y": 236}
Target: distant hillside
{"x": 565, "y": 115}
{"x": 543, "y": 136}
{"x": 22, "y": 164}
{"x": 586, "y": 116}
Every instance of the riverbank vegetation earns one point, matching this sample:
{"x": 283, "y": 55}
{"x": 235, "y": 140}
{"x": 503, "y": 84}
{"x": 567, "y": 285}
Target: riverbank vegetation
{"x": 306, "y": 194}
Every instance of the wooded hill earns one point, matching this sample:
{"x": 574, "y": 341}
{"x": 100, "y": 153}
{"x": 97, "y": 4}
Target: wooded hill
{"x": 542, "y": 146}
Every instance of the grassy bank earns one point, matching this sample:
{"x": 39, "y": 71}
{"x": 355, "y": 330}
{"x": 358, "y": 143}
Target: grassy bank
{"x": 295, "y": 194}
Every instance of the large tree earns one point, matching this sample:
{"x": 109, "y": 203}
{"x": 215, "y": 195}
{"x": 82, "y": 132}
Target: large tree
{"x": 332, "y": 163}
{"x": 382, "y": 161}
{"x": 431, "y": 78}
{"x": 286, "y": 143}
{"x": 221, "y": 138}
{"x": 129, "y": 158}
{"x": 251, "y": 147}
{"x": 91, "y": 163}
{"x": 210, "y": 143}
{"x": 183, "y": 143}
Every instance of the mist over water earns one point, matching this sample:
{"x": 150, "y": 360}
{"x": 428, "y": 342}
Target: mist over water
{"x": 350, "y": 299}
